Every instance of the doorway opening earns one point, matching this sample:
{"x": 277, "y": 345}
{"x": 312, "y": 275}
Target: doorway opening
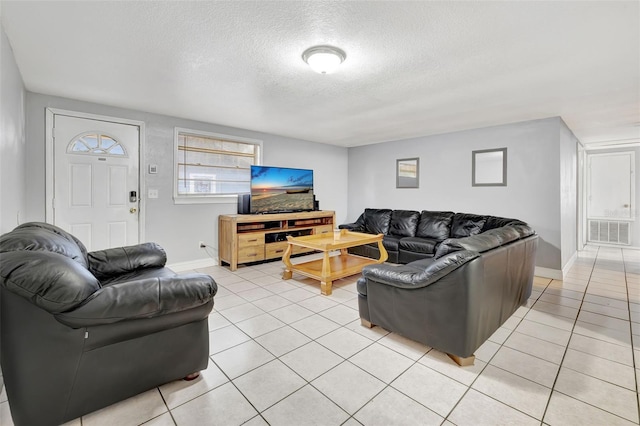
{"x": 608, "y": 213}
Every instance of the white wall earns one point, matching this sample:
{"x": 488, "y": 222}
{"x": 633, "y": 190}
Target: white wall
{"x": 568, "y": 193}
{"x": 532, "y": 193}
{"x": 179, "y": 228}
{"x": 12, "y": 139}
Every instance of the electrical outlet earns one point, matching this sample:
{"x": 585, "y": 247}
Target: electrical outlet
{"x": 201, "y": 244}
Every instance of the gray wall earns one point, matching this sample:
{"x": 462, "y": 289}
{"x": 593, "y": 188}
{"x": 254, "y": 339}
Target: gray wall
{"x": 533, "y": 168}
{"x": 568, "y": 192}
{"x": 179, "y": 228}
{"x": 12, "y": 139}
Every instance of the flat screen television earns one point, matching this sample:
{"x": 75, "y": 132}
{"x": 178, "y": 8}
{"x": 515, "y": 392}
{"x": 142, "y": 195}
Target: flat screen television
{"x": 281, "y": 189}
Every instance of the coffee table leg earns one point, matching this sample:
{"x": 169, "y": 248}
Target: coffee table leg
{"x": 325, "y": 287}
{"x": 383, "y": 253}
{"x": 325, "y": 282}
{"x": 288, "y": 272}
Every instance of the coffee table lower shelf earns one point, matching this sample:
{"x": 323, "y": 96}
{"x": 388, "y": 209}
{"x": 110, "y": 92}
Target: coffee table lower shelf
{"x": 340, "y": 266}
{"x": 331, "y": 268}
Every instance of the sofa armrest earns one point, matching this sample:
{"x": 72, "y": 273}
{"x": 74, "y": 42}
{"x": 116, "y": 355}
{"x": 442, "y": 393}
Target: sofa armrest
{"x": 145, "y": 298}
{"x": 357, "y": 226}
{"x": 351, "y": 227}
{"x": 416, "y": 274}
{"x": 49, "y": 280}
{"x": 117, "y": 261}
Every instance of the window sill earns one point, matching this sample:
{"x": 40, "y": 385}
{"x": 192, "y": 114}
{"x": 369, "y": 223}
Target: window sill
{"x": 209, "y": 199}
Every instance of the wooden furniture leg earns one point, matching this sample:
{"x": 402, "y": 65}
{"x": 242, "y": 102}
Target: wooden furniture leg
{"x": 288, "y": 272}
{"x": 366, "y": 323}
{"x": 325, "y": 282}
{"x": 463, "y": 362}
{"x": 383, "y": 253}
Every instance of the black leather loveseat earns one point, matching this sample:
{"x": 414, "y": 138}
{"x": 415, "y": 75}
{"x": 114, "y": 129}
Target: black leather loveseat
{"x": 80, "y": 331}
{"x": 472, "y": 273}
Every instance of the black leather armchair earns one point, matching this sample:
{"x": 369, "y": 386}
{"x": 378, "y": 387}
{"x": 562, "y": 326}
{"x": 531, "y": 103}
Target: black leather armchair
{"x": 80, "y": 331}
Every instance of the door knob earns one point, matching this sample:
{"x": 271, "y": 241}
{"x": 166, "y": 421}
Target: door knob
{"x": 625, "y": 205}
{"x": 133, "y": 210}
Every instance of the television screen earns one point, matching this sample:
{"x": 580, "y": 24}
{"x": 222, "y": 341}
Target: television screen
{"x": 280, "y": 189}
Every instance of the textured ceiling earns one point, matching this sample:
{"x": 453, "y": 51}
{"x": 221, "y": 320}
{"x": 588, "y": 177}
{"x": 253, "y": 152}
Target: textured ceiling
{"x": 412, "y": 68}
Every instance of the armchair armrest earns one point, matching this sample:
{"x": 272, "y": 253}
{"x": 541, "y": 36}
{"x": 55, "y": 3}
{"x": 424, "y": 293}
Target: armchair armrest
{"x": 145, "y": 298}
{"x": 413, "y": 275}
{"x": 118, "y": 261}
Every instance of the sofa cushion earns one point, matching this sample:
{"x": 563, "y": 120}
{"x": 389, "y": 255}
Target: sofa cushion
{"x": 481, "y": 242}
{"x": 121, "y": 260}
{"x": 522, "y": 229}
{"x": 403, "y": 223}
{"x": 434, "y": 225}
{"x": 419, "y": 245}
{"x": 465, "y": 224}
{"x": 376, "y": 221}
{"x": 493, "y": 222}
{"x": 390, "y": 242}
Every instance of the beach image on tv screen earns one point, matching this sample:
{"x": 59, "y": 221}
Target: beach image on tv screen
{"x": 275, "y": 189}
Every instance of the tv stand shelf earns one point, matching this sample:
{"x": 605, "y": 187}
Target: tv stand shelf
{"x": 245, "y": 238}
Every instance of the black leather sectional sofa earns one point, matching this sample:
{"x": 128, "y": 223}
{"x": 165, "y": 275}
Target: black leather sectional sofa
{"x": 410, "y": 235}
{"x": 464, "y": 276}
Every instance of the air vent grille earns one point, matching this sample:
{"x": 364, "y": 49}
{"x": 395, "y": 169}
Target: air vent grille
{"x": 610, "y": 232}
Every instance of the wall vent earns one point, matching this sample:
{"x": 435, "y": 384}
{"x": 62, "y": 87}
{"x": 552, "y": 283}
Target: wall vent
{"x": 610, "y": 232}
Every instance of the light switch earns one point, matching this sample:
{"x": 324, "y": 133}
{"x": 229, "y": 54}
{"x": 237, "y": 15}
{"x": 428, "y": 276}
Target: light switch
{"x": 153, "y": 168}
{"x": 153, "y": 193}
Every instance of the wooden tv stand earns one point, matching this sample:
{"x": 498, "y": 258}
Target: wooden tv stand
{"x": 245, "y": 238}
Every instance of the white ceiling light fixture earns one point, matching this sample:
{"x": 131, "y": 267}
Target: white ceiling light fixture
{"x": 324, "y": 59}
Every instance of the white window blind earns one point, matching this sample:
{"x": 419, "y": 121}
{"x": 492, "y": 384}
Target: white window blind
{"x": 213, "y": 165}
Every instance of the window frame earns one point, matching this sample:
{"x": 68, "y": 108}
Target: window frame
{"x": 209, "y": 198}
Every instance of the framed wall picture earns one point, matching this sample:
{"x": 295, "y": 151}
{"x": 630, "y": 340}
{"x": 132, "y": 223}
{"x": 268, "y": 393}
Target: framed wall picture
{"x": 489, "y": 167}
{"x": 407, "y": 172}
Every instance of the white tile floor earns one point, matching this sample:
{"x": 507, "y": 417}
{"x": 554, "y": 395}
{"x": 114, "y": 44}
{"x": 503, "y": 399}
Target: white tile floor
{"x": 282, "y": 354}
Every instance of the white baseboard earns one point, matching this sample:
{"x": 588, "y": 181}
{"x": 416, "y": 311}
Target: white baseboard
{"x": 569, "y": 263}
{"x": 193, "y": 264}
{"x": 554, "y": 274}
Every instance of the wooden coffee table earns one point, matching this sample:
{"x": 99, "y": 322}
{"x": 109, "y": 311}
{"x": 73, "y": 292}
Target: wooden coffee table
{"x": 331, "y": 268}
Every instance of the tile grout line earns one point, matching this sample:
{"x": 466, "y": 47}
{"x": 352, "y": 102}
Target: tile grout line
{"x": 567, "y": 348}
{"x": 555, "y": 381}
{"x": 469, "y": 387}
{"x": 633, "y": 353}
{"x": 285, "y": 364}
{"x": 166, "y": 405}
{"x": 387, "y": 385}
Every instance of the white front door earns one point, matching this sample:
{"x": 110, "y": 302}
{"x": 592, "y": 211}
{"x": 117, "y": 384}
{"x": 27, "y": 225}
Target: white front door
{"x": 96, "y": 181}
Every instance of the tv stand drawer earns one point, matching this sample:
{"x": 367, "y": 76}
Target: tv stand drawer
{"x": 251, "y": 254}
{"x": 325, "y": 229}
{"x": 247, "y": 240}
{"x": 275, "y": 250}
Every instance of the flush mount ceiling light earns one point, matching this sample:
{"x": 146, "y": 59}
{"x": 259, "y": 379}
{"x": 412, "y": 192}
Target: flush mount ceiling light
{"x": 324, "y": 59}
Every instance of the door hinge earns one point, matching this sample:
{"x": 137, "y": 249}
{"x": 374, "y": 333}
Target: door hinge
{"x": 53, "y": 132}
{"x": 53, "y": 203}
